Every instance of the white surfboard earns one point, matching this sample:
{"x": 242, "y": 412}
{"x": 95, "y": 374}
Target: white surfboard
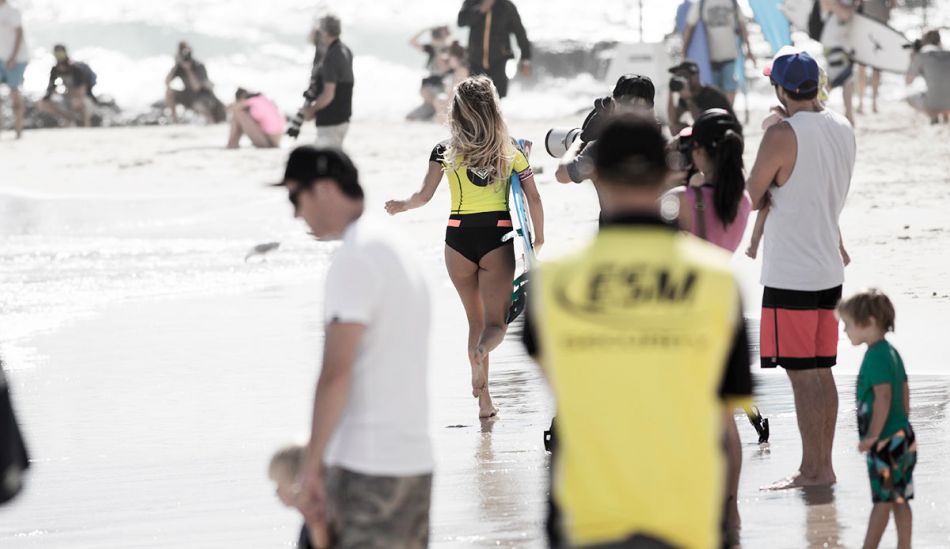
{"x": 879, "y": 46}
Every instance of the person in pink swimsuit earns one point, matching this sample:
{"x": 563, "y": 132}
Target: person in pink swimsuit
{"x": 257, "y": 117}
{"x": 718, "y": 210}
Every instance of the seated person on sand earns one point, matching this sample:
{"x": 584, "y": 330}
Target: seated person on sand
{"x": 284, "y": 471}
{"x": 73, "y": 104}
{"x": 777, "y": 114}
{"x": 457, "y": 61}
{"x": 436, "y": 51}
{"x": 932, "y": 62}
{"x": 257, "y": 117}
{"x": 197, "y": 94}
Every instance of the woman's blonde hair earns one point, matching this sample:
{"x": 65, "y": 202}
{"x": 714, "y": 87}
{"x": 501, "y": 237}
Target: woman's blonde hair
{"x": 480, "y": 138}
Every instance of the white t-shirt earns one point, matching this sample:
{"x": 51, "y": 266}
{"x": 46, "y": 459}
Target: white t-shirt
{"x": 719, "y": 17}
{"x": 10, "y": 21}
{"x": 801, "y": 232}
{"x": 374, "y": 280}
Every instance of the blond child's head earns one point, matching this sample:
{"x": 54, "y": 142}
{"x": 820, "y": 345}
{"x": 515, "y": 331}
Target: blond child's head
{"x": 284, "y": 469}
{"x": 867, "y": 316}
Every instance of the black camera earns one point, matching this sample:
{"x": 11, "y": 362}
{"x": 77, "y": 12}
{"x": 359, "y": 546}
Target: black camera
{"x": 678, "y": 84}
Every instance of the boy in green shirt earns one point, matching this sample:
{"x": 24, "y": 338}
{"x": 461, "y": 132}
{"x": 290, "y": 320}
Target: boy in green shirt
{"x": 883, "y": 406}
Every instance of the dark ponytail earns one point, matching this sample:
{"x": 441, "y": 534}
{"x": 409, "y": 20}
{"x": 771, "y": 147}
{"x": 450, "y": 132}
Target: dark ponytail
{"x": 730, "y": 179}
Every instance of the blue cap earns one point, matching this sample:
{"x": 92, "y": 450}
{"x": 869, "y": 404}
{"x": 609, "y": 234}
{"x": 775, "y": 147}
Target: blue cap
{"x": 797, "y": 72}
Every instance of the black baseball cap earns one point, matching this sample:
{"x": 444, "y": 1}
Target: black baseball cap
{"x": 712, "y": 125}
{"x": 631, "y": 151}
{"x": 307, "y": 164}
{"x": 635, "y": 85}
{"x": 686, "y": 67}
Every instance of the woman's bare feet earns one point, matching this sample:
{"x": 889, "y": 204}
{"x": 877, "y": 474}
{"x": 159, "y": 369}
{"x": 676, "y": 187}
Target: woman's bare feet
{"x": 479, "y": 378}
{"x": 486, "y": 408}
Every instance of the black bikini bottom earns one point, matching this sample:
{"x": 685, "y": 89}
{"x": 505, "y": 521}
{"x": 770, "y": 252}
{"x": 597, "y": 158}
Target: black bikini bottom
{"x": 475, "y": 235}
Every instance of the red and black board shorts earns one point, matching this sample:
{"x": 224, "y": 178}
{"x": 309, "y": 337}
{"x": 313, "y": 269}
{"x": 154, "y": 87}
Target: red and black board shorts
{"x": 799, "y": 330}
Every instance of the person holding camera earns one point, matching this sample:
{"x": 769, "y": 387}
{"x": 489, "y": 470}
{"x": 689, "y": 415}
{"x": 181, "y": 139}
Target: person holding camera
{"x": 694, "y": 97}
{"x": 75, "y": 105}
{"x": 436, "y": 51}
{"x": 632, "y": 93}
{"x": 198, "y": 94}
{"x": 333, "y": 106}
{"x": 932, "y": 62}
{"x": 491, "y": 24}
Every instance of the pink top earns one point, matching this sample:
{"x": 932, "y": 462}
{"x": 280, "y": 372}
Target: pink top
{"x": 266, "y": 114}
{"x": 727, "y": 237}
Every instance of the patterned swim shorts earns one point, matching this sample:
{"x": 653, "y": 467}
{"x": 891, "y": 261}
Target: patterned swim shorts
{"x": 891, "y": 467}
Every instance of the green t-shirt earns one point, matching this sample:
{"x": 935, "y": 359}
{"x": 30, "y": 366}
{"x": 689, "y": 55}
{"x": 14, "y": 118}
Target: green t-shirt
{"x": 881, "y": 364}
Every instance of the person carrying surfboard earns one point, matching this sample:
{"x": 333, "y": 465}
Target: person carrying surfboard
{"x": 723, "y": 22}
{"x": 479, "y": 160}
{"x": 836, "y": 40}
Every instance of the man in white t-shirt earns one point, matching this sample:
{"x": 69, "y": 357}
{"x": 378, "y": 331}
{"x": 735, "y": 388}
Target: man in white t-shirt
{"x": 369, "y": 462}
{"x": 805, "y": 164}
{"x": 14, "y": 55}
{"x": 724, "y": 28}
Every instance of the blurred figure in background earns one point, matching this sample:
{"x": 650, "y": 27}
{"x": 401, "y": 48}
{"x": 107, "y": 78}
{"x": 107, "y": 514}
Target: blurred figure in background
{"x": 257, "y": 117}
{"x": 932, "y": 62}
{"x": 74, "y": 105}
{"x": 881, "y": 11}
{"x": 198, "y": 94}
{"x": 333, "y": 107}
{"x": 437, "y": 52}
{"x": 724, "y": 29}
{"x": 642, "y": 339}
{"x": 13, "y": 458}
{"x": 458, "y": 71}
{"x": 14, "y": 54}
{"x": 694, "y": 97}
{"x": 836, "y": 39}
{"x": 491, "y": 24}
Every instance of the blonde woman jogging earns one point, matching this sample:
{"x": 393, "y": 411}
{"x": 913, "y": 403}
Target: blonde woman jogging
{"x": 479, "y": 160}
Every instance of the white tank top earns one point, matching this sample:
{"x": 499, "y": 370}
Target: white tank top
{"x": 801, "y": 231}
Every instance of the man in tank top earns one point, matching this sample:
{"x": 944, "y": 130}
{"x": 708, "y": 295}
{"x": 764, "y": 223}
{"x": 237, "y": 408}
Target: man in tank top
{"x": 803, "y": 170}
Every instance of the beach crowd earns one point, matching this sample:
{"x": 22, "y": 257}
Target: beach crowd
{"x": 640, "y": 334}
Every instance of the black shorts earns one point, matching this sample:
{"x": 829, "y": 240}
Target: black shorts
{"x": 475, "y": 235}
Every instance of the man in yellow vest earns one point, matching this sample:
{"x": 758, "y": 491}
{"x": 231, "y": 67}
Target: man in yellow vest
{"x": 642, "y": 339}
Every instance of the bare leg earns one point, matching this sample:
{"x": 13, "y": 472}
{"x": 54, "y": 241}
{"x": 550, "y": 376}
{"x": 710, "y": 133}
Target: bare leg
{"x": 875, "y": 87}
{"x": 496, "y": 271}
{"x": 880, "y": 514}
{"x": 904, "y": 520}
{"x": 848, "y": 90}
{"x": 811, "y": 410}
{"x": 170, "y": 103}
{"x": 48, "y": 107}
{"x": 18, "y": 110}
{"x": 234, "y": 137}
{"x": 862, "y": 87}
{"x": 464, "y": 275}
{"x": 734, "y": 459}
{"x": 83, "y": 114}
{"x": 829, "y": 410}
{"x": 251, "y": 129}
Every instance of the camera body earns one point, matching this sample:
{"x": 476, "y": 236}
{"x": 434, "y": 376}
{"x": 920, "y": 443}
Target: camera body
{"x": 678, "y": 84}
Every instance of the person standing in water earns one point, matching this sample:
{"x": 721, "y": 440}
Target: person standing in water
{"x": 14, "y": 55}
{"x": 804, "y": 164}
{"x": 479, "y": 160}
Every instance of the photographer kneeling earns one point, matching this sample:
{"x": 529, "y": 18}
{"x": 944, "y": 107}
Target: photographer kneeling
{"x": 633, "y": 93}
{"x": 694, "y": 97}
{"x": 932, "y": 62}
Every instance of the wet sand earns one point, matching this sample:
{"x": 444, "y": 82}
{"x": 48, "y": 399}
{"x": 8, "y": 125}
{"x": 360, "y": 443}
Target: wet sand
{"x": 151, "y": 415}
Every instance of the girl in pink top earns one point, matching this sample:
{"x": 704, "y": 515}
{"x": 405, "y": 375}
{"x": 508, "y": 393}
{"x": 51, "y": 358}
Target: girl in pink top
{"x": 717, "y": 211}
{"x": 257, "y": 117}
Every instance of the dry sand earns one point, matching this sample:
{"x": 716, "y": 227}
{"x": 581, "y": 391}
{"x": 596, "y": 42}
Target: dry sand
{"x": 154, "y": 371}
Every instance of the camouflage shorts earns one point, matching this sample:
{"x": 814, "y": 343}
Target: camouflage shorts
{"x": 369, "y": 511}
